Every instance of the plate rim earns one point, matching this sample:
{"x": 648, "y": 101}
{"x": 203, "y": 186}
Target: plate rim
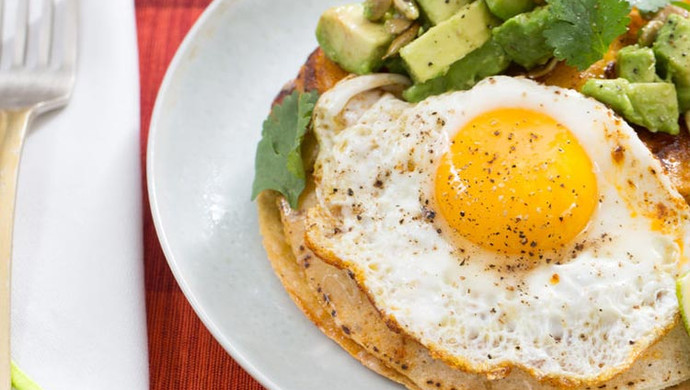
{"x": 156, "y": 114}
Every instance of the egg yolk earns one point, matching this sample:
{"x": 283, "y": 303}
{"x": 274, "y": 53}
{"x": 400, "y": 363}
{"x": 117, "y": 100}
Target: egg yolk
{"x": 516, "y": 181}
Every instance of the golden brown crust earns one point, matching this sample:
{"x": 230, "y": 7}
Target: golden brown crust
{"x": 318, "y": 73}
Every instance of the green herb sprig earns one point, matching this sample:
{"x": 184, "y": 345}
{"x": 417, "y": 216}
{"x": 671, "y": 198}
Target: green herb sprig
{"x": 582, "y": 30}
{"x": 278, "y": 164}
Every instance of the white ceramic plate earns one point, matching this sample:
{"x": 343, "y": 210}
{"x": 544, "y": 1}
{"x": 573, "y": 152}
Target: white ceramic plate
{"x": 205, "y": 127}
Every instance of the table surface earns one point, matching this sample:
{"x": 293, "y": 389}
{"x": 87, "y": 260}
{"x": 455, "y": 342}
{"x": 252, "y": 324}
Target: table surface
{"x": 182, "y": 353}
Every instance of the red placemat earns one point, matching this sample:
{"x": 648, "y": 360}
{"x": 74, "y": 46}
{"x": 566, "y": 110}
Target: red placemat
{"x": 182, "y": 353}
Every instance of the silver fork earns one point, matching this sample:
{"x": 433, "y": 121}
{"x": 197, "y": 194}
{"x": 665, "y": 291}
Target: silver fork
{"x": 37, "y": 72}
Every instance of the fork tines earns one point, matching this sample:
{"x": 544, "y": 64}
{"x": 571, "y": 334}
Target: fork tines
{"x": 37, "y": 34}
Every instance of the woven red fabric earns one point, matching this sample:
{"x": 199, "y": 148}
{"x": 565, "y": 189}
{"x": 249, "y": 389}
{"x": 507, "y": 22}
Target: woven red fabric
{"x": 182, "y": 353}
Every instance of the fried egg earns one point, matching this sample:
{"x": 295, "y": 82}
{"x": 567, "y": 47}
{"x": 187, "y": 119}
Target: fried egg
{"x": 511, "y": 225}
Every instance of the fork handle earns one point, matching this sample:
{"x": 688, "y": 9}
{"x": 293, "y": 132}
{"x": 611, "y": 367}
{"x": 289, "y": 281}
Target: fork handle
{"x": 13, "y": 125}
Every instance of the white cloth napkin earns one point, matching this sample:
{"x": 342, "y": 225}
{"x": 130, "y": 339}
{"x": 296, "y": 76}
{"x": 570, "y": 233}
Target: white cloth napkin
{"x": 78, "y": 315}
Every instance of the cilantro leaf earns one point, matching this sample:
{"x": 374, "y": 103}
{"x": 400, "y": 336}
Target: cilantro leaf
{"x": 583, "y": 29}
{"x": 278, "y": 164}
{"x": 649, "y": 5}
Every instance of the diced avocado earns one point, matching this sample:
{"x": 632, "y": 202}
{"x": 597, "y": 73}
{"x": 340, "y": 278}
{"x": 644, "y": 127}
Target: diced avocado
{"x": 522, "y": 37}
{"x": 637, "y": 64}
{"x": 683, "y": 98}
{"x": 506, "y": 9}
{"x": 613, "y": 93}
{"x": 657, "y": 105}
{"x": 488, "y": 60}
{"x": 431, "y": 54}
{"x": 672, "y": 49}
{"x": 439, "y": 10}
{"x": 652, "y": 105}
{"x": 352, "y": 41}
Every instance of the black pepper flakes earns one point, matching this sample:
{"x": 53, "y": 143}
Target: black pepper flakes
{"x": 428, "y": 214}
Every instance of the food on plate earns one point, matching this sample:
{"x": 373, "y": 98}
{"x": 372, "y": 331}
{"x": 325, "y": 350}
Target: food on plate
{"x": 358, "y": 50}
{"x": 507, "y": 242}
{"x": 457, "y": 36}
{"x": 480, "y": 222}
{"x": 646, "y": 104}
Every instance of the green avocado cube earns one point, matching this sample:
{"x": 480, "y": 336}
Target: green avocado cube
{"x": 431, "y": 54}
{"x": 439, "y": 10}
{"x": 506, "y": 9}
{"x": 352, "y": 41}
{"x": 522, "y": 37}
{"x": 637, "y": 64}
{"x": 652, "y": 105}
{"x": 657, "y": 105}
{"x": 672, "y": 49}
{"x": 613, "y": 93}
{"x": 488, "y": 60}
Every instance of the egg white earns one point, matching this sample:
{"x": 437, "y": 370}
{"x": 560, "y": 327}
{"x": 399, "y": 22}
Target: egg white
{"x": 613, "y": 295}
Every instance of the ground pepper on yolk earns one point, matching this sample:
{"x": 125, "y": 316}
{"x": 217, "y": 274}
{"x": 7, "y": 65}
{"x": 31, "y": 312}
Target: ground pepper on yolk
{"x": 516, "y": 181}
